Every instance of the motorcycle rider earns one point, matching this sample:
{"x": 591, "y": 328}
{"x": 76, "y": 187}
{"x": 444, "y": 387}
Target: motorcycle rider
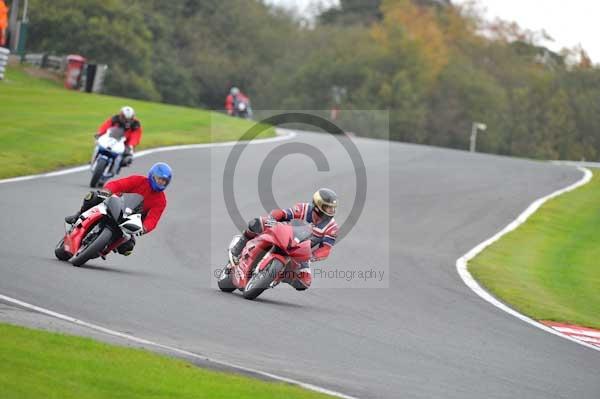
{"x": 319, "y": 214}
{"x": 127, "y": 121}
{"x": 234, "y": 98}
{"x": 150, "y": 187}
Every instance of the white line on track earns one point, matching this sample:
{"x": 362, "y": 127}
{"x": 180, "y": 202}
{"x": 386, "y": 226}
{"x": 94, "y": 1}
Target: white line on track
{"x": 173, "y": 349}
{"x": 461, "y": 263}
{"x": 582, "y": 164}
{"x": 283, "y": 134}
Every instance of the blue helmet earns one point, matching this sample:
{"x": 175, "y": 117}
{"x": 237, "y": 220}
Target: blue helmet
{"x": 160, "y": 171}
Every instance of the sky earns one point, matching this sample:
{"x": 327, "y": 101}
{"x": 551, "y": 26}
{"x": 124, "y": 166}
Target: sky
{"x": 569, "y": 23}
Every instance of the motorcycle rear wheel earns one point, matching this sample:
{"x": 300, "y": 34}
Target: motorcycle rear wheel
{"x": 92, "y": 250}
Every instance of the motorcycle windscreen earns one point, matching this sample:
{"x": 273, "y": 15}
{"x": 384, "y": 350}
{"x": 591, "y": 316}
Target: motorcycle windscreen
{"x": 301, "y": 247}
{"x": 116, "y": 133}
{"x": 302, "y": 230}
{"x": 135, "y": 202}
{"x": 114, "y": 207}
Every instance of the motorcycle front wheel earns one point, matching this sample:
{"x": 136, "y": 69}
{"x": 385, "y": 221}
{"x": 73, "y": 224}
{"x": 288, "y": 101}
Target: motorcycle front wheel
{"x": 93, "y": 248}
{"x": 225, "y": 284}
{"x": 60, "y": 252}
{"x": 98, "y": 172}
{"x": 260, "y": 281}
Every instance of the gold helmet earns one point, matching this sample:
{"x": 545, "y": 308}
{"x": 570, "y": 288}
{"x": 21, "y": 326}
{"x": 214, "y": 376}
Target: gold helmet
{"x": 325, "y": 202}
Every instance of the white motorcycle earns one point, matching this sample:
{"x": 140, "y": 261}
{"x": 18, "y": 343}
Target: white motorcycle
{"x": 242, "y": 109}
{"x": 108, "y": 156}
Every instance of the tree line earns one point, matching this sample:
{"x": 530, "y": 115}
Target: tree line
{"x": 434, "y": 66}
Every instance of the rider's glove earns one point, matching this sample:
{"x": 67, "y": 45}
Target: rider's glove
{"x": 269, "y": 222}
{"x": 104, "y": 193}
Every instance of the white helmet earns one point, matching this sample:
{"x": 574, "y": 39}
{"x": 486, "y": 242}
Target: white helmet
{"x": 128, "y": 113}
{"x": 234, "y": 91}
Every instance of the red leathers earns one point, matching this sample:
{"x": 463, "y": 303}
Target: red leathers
{"x": 324, "y": 228}
{"x": 155, "y": 202}
{"x": 133, "y": 129}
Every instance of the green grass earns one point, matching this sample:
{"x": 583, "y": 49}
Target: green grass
{"x": 44, "y": 127}
{"x": 549, "y": 268}
{"x": 38, "y": 364}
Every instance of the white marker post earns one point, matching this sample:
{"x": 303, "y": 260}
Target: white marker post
{"x": 476, "y": 127}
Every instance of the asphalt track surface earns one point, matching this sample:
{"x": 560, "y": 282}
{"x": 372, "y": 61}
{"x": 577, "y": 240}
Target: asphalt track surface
{"x": 421, "y": 334}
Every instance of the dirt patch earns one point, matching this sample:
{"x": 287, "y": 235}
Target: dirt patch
{"x": 44, "y": 73}
{"x": 13, "y": 60}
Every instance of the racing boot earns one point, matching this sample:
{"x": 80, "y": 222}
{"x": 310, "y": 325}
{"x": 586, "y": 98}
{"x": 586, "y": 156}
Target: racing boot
{"x": 236, "y": 251}
{"x": 91, "y": 199}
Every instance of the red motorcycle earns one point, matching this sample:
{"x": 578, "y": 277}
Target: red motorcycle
{"x": 268, "y": 259}
{"x": 101, "y": 229}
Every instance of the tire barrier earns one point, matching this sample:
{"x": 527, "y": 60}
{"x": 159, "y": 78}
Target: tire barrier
{"x": 3, "y": 61}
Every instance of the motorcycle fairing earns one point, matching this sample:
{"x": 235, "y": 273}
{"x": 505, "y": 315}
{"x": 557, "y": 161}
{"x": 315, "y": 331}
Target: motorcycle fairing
{"x": 284, "y": 236}
{"x": 85, "y": 222}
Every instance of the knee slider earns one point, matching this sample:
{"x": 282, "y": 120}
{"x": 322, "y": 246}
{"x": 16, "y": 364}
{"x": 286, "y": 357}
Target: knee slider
{"x": 299, "y": 285}
{"x": 126, "y": 248}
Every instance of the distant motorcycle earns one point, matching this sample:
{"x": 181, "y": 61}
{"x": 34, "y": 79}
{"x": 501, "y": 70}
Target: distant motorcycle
{"x": 101, "y": 229}
{"x": 259, "y": 269}
{"x": 108, "y": 156}
{"x": 242, "y": 109}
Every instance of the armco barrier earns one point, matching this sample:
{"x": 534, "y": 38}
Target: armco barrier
{"x": 34, "y": 59}
{"x": 54, "y": 62}
{"x": 45, "y": 61}
{"x": 89, "y": 77}
{"x": 3, "y": 61}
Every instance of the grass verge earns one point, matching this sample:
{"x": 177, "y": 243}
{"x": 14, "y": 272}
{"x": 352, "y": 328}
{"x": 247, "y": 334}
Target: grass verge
{"x": 39, "y": 364}
{"x": 549, "y": 267}
{"x": 44, "y": 127}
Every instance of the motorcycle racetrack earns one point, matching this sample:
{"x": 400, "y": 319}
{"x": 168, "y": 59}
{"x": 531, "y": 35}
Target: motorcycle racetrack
{"x": 418, "y": 332}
